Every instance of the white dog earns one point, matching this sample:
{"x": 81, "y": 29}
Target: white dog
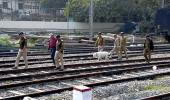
{"x": 29, "y": 98}
{"x": 101, "y": 55}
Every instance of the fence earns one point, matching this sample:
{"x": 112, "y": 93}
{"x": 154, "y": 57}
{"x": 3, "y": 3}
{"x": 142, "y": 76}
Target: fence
{"x": 34, "y": 14}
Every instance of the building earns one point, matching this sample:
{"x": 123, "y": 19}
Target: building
{"x": 28, "y": 10}
{"x": 12, "y": 9}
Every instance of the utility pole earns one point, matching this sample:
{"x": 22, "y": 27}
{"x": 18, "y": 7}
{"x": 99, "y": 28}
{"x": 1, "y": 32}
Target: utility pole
{"x": 11, "y": 11}
{"x": 91, "y": 19}
{"x": 68, "y": 13}
{"x": 162, "y": 3}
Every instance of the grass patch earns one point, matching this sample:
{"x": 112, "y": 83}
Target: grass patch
{"x": 5, "y": 40}
{"x": 157, "y": 88}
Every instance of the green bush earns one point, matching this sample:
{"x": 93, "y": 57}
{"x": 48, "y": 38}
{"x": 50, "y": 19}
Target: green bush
{"x": 5, "y": 40}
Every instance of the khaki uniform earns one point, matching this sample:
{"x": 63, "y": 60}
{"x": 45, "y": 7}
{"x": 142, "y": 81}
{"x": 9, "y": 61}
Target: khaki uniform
{"x": 99, "y": 43}
{"x": 22, "y": 52}
{"x": 147, "y": 51}
{"x": 123, "y": 47}
{"x": 59, "y": 54}
{"x": 116, "y": 47}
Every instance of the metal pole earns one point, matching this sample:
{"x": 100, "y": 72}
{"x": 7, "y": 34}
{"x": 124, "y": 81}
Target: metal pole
{"x": 162, "y": 3}
{"x": 91, "y": 19}
{"x": 68, "y": 16}
{"x": 11, "y": 11}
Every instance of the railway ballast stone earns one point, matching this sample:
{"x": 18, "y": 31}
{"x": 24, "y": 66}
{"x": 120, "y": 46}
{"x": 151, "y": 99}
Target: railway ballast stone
{"x": 133, "y": 96}
{"x": 121, "y": 91}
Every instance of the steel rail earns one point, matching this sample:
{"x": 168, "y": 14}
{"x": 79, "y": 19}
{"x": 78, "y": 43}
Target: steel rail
{"x": 80, "y": 64}
{"x": 165, "y": 96}
{"x": 91, "y": 84}
{"x": 113, "y": 67}
{"x": 81, "y": 75}
{"x": 12, "y": 54}
{"x": 70, "y": 58}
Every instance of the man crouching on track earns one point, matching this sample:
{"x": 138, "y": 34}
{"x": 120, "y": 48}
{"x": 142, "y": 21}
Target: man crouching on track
{"x": 101, "y": 55}
{"x": 22, "y": 50}
{"x": 59, "y": 54}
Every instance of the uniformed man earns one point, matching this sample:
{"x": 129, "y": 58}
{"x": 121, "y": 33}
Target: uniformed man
{"x": 116, "y": 46}
{"x": 22, "y": 50}
{"x": 59, "y": 54}
{"x": 123, "y": 45}
{"x": 99, "y": 42}
{"x": 148, "y": 46}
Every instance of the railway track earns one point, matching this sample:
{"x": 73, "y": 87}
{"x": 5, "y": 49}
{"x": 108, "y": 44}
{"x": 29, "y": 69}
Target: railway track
{"x": 68, "y": 58}
{"x": 89, "y": 74}
{"x": 158, "y": 97}
{"x": 43, "y": 80}
{"x": 75, "y": 51}
{"x": 76, "y": 55}
{"x": 46, "y": 71}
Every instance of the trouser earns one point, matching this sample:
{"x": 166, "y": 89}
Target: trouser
{"x": 24, "y": 55}
{"x": 53, "y": 54}
{"x": 123, "y": 50}
{"x": 147, "y": 55}
{"x": 116, "y": 50}
{"x": 100, "y": 48}
{"x": 59, "y": 58}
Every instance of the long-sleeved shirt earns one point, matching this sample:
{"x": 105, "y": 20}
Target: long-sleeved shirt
{"x": 52, "y": 42}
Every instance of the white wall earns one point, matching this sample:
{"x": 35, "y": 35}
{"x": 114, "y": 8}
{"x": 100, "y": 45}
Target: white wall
{"x": 57, "y": 26}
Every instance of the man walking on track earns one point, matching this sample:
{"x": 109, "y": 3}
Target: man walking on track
{"x": 22, "y": 50}
{"x": 52, "y": 46}
{"x": 59, "y": 54}
{"x": 123, "y": 45}
{"x": 99, "y": 42}
{"x": 148, "y": 46}
{"x": 116, "y": 46}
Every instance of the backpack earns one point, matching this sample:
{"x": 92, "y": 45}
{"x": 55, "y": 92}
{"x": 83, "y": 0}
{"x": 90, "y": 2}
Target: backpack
{"x": 151, "y": 44}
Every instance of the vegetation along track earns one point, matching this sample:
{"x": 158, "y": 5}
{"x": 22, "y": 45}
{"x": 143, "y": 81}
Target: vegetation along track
{"x": 89, "y": 74}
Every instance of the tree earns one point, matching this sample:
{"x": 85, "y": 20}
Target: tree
{"x": 77, "y": 9}
{"x": 52, "y": 6}
{"x": 140, "y": 11}
{"x": 113, "y": 10}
